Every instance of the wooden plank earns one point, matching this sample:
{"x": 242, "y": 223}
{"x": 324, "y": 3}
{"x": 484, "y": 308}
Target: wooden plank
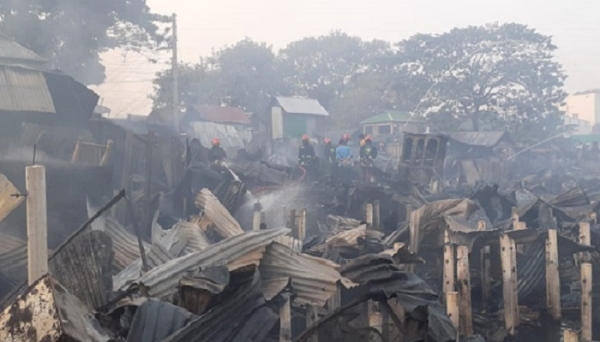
{"x": 552, "y": 276}
{"x": 369, "y": 214}
{"x": 448, "y": 264}
{"x": 586, "y": 301}
{"x": 514, "y": 282}
{"x": 302, "y": 225}
{"x": 464, "y": 287}
{"x": 285, "y": 321}
{"x": 312, "y": 316}
{"x": 584, "y": 239}
{"x": 37, "y": 226}
{"x": 509, "y": 305}
{"x": 570, "y": 336}
{"x": 486, "y": 279}
{"x": 376, "y": 214}
{"x": 256, "y": 216}
{"x": 452, "y": 308}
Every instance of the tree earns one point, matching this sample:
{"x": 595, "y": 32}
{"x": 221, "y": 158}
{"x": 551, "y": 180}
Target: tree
{"x": 242, "y": 75}
{"x": 72, "y": 34}
{"x": 321, "y": 67}
{"x": 495, "y": 76}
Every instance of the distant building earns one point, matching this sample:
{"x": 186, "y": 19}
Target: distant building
{"x": 391, "y": 122}
{"x": 580, "y": 127}
{"x": 291, "y": 117}
{"x": 584, "y": 106}
{"x": 217, "y": 114}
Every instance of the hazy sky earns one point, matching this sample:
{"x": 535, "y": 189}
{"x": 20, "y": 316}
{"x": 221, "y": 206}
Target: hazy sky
{"x": 206, "y": 25}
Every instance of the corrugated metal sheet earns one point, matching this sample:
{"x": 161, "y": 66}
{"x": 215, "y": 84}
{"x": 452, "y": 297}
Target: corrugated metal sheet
{"x": 270, "y": 288}
{"x": 313, "y": 279}
{"x": 84, "y": 268}
{"x": 49, "y": 313}
{"x": 24, "y": 90}
{"x": 299, "y": 105}
{"x": 162, "y": 281}
{"x": 229, "y": 136}
{"x": 8, "y": 202}
{"x": 290, "y": 242}
{"x": 157, "y": 255}
{"x": 156, "y": 320}
{"x": 241, "y": 317}
{"x": 221, "y": 114}
{"x": 125, "y": 244}
{"x": 223, "y": 223}
{"x": 11, "y": 50}
{"x": 9, "y": 242}
{"x": 183, "y": 238}
{"x": 484, "y": 139}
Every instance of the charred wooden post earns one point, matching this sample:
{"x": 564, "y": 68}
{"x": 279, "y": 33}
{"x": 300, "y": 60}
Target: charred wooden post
{"x": 256, "y": 218}
{"x": 376, "y": 214}
{"x": 448, "y": 264}
{"x": 37, "y": 226}
{"x": 312, "y": 316}
{"x": 452, "y": 308}
{"x": 464, "y": 286}
{"x": 414, "y": 237}
{"x": 336, "y": 300}
{"x": 126, "y": 170}
{"x": 302, "y": 225}
{"x": 285, "y": 321}
{"x": 586, "y": 301}
{"x": 584, "y": 239}
{"x": 509, "y": 281}
{"x": 485, "y": 266}
{"x": 552, "y": 276}
{"x": 369, "y": 214}
{"x": 570, "y": 336}
{"x": 515, "y": 217}
{"x": 292, "y": 223}
{"x": 107, "y": 153}
{"x": 147, "y": 219}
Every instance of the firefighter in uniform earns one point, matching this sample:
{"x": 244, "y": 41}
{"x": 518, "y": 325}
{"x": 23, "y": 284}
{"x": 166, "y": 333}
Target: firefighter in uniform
{"x": 329, "y": 162}
{"x": 306, "y": 155}
{"x": 343, "y": 155}
{"x": 216, "y": 154}
{"x": 368, "y": 153}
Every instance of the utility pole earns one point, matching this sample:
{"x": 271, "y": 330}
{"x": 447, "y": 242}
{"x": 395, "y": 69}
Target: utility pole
{"x": 175, "y": 68}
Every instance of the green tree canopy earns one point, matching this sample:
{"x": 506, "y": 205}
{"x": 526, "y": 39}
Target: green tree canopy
{"x": 72, "y": 34}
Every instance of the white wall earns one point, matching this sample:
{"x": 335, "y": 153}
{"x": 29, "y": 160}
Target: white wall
{"x": 583, "y": 107}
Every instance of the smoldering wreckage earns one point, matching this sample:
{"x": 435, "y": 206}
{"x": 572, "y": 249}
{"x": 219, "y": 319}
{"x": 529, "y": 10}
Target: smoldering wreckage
{"x": 143, "y": 240}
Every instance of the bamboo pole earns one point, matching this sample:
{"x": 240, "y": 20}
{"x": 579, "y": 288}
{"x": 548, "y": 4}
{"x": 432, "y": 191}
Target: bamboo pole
{"x": 37, "y": 226}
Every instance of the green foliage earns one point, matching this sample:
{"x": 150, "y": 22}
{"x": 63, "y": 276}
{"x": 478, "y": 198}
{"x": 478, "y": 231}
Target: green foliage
{"x": 71, "y": 34}
{"x": 482, "y": 78}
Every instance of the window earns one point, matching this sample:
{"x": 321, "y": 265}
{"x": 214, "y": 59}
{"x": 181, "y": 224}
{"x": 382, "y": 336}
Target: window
{"x": 387, "y": 129}
{"x": 430, "y": 152}
{"x": 420, "y": 151}
{"x": 407, "y": 149}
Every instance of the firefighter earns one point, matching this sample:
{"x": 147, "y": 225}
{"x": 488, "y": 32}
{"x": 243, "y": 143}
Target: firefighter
{"x": 328, "y": 150}
{"x": 343, "y": 155}
{"x": 306, "y": 156}
{"x": 361, "y": 140}
{"x": 216, "y": 153}
{"x": 368, "y": 153}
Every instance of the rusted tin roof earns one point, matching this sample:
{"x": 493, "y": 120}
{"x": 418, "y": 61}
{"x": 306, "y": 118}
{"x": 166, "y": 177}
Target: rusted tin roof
{"x": 219, "y": 114}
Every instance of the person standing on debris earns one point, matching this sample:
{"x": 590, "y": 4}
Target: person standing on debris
{"x": 343, "y": 155}
{"x": 361, "y": 140}
{"x": 216, "y": 154}
{"x": 368, "y": 153}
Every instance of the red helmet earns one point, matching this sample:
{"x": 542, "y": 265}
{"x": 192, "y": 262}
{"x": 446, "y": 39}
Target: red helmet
{"x": 215, "y": 141}
{"x": 346, "y": 137}
{"x": 368, "y": 138}
{"x": 305, "y": 137}
{"x": 326, "y": 140}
